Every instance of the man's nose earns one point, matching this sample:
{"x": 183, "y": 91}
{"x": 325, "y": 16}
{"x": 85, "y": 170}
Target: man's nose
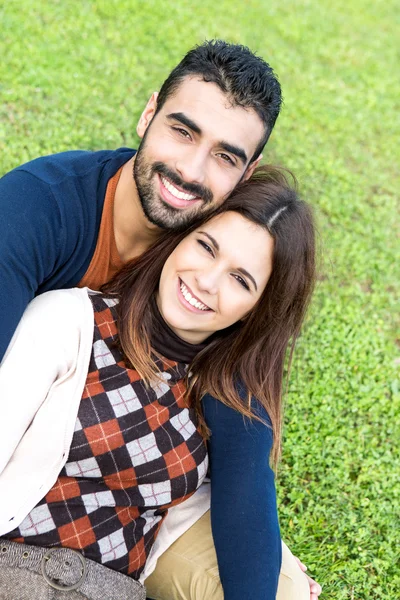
{"x": 192, "y": 166}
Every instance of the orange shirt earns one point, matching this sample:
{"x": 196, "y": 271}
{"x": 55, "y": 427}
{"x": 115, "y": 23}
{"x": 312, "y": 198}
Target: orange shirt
{"x": 106, "y": 260}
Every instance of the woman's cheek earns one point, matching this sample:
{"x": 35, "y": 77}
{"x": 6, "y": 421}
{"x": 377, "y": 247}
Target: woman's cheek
{"x": 192, "y": 257}
{"x": 235, "y": 308}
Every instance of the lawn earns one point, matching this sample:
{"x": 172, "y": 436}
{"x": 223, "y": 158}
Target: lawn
{"x": 77, "y": 75}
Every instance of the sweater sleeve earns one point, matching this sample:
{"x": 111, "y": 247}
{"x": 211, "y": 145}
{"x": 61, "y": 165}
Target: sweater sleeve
{"x": 42, "y": 351}
{"x": 30, "y": 229}
{"x": 243, "y": 503}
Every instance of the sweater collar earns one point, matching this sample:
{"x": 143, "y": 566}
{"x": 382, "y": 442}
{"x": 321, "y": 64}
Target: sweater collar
{"x": 168, "y": 343}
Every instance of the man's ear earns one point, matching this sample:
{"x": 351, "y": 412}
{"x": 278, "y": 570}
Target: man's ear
{"x": 147, "y": 115}
{"x": 250, "y": 169}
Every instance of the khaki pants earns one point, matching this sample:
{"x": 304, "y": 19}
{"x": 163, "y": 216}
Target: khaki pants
{"x": 188, "y": 570}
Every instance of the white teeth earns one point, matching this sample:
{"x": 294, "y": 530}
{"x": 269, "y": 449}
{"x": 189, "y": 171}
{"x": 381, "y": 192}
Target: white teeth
{"x": 191, "y": 299}
{"x": 172, "y": 189}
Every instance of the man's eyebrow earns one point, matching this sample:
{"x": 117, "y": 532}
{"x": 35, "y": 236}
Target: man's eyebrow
{"x": 185, "y": 120}
{"x": 182, "y": 118}
{"x": 239, "y": 152}
{"x": 240, "y": 269}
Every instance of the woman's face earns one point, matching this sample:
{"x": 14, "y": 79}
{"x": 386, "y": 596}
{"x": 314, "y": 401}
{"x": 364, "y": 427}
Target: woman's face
{"x": 215, "y": 276}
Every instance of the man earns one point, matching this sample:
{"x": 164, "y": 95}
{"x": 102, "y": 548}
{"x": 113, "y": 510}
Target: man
{"x": 74, "y": 218}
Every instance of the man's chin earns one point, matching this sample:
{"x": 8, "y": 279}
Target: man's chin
{"x": 172, "y": 219}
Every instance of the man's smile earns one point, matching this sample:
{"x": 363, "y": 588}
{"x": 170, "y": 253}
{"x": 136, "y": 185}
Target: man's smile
{"x": 175, "y": 191}
{"x": 174, "y": 196}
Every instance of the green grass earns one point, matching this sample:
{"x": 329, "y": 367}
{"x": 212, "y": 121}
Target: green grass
{"x": 77, "y": 75}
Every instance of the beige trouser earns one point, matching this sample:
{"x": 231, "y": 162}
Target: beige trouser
{"x": 188, "y": 570}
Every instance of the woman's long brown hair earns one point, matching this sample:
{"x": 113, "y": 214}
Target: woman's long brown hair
{"x": 253, "y": 351}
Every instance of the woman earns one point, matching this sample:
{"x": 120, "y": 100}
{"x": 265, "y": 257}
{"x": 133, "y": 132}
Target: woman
{"x": 105, "y": 429}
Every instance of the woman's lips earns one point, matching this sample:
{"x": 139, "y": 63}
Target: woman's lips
{"x": 187, "y": 304}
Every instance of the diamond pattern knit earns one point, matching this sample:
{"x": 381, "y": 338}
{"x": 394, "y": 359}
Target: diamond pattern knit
{"x": 135, "y": 452}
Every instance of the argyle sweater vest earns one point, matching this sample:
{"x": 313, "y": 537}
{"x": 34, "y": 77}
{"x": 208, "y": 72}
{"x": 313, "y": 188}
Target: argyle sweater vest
{"x": 135, "y": 452}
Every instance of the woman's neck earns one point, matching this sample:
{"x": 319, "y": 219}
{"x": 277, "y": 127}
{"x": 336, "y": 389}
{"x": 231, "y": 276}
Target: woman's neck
{"x": 167, "y": 343}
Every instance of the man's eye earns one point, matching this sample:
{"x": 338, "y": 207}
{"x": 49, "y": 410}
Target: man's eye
{"x": 226, "y": 158}
{"x": 206, "y": 247}
{"x": 242, "y": 282}
{"x": 182, "y": 132}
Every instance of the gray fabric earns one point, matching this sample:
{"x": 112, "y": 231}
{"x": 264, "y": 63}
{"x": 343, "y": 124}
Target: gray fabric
{"x": 21, "y": 576}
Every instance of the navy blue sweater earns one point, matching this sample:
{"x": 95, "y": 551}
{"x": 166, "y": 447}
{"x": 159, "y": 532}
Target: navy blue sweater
{"x": 50, "y": 213}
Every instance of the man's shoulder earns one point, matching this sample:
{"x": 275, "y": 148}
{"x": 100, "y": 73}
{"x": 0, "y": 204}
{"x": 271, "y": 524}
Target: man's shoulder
{"x": 63, "y": 183}
{"x": 55, "y": 168}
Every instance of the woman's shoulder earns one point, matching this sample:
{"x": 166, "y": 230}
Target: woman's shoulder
{"x": 70, "y": 301}
{"x": 56, "y": 327}
{"x": 58, "y": 313}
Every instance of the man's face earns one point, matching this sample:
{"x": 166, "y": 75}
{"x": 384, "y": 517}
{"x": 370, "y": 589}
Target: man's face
{"x": 194, "y": 151}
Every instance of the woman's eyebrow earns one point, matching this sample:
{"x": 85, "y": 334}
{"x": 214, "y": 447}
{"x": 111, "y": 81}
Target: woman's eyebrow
{"x": 247, "y": 274}
{"x": 212, "y": 240}
{"x": 240, "y": 269}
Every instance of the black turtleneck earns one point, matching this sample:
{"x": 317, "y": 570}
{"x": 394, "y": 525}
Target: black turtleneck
{"x": 167, "y": 343}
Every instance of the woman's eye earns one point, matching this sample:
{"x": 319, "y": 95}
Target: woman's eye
{"x": 242, "y": 282}
{"x": 206, "y": 247}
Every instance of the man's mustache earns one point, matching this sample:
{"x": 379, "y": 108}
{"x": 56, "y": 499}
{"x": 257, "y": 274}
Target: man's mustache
{"x": 191, "y": 188}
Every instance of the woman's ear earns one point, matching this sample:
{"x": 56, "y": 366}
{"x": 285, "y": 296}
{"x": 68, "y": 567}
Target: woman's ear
{"x": 147, "y": 115}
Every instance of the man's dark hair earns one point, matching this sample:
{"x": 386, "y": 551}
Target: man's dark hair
{"x": 245, "y": 78}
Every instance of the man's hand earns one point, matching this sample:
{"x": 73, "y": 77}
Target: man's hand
{"x": 315, "y": 588}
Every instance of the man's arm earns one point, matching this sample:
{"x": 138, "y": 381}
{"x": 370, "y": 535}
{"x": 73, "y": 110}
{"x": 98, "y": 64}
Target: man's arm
{"x": 243, "y": 503}
{"x": 30, "y": 230}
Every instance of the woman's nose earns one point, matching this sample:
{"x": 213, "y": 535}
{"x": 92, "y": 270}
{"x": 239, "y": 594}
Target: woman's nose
{"x": 208, "y": 281}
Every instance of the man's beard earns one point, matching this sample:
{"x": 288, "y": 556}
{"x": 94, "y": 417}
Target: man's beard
{"x": 155, "y": 209}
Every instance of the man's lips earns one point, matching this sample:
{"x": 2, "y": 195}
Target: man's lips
{"x": 189, "y": 300}
{"x": 174, "y": 195}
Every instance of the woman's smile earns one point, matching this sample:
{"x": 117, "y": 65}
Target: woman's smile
{"x": 189, "y": 300}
